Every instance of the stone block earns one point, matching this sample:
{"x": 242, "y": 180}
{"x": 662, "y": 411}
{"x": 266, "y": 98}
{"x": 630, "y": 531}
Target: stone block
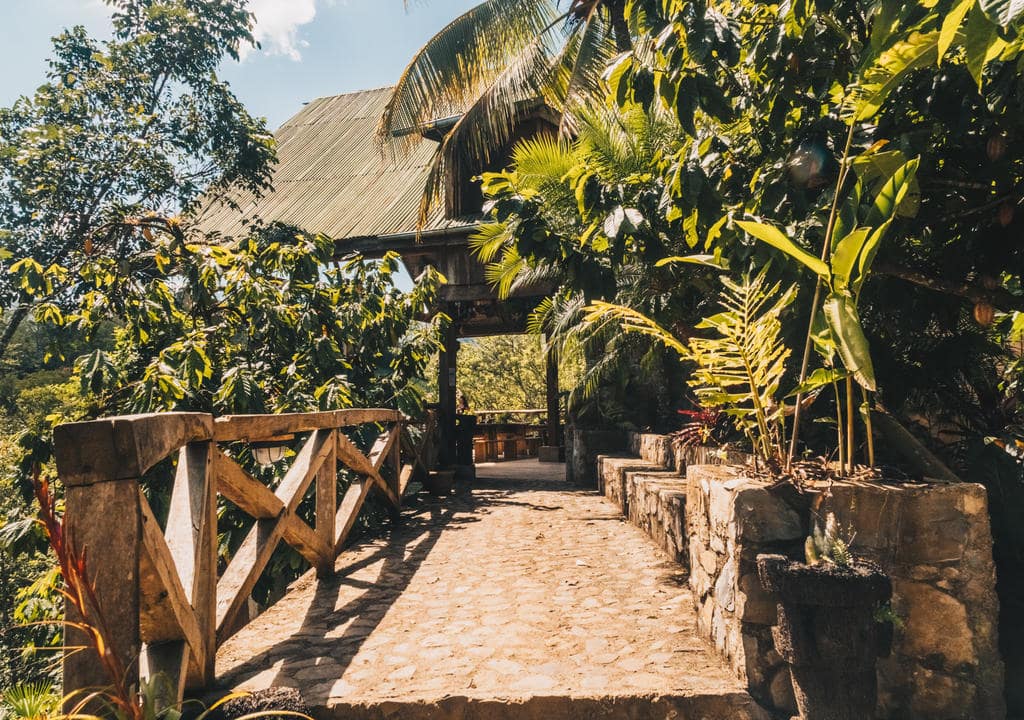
{"x": 754, "y": 604}
{"x": 551, "y": 454}
{"x": 653, "y": 448}
{"x": 725, "y": 586}
{"x": 686, "y": 456}
{"x": 935, "y": 543}
{"x": 656, "y": 503}
{"x": 612, "y": 473}
{"x": 762, "y": 517}
{"x": 934, "y": 625}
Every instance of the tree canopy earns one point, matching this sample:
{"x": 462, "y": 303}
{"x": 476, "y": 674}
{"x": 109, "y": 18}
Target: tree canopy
{"x": 125, "y": 132}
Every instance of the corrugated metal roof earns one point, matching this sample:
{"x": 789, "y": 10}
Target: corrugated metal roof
{"x": 332, "y": 178}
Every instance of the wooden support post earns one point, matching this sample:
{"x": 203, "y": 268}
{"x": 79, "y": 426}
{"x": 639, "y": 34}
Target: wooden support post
{"x": 553, "y": 451}
{"x": 327, "y": 505}
{"x": 104, "y": 520}
{"x": 396, "y": 459}
{"x": 192, "y": 539}
{"x": 446, "y": 386}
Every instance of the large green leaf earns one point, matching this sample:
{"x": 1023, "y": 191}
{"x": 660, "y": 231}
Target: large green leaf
{"x": 917, "y": 51}
{"x": 874, "y": 166}
{"x": 893, "y": 193}
{"x": 982, "y": 43}
{"x": 845, "y": 256}
{"x": 851, "y": 343}
{"x": 951, "y": 24}
{"x": 867, "y": 256}
{"x": 819, "y": 379}
{"x": 774, "y": 237}
{"x": 1003, "y": 12}
{"x": 713, "y": 261}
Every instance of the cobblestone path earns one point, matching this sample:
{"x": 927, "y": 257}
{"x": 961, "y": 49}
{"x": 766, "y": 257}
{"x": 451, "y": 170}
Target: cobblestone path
{"x": 523, "y": 593}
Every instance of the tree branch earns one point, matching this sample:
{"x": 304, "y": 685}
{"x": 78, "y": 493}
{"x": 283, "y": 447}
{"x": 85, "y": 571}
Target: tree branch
{"x": 975, "y": 292}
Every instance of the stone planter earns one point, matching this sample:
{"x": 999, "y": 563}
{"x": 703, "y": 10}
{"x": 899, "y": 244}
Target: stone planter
{"x": 827, "y": 634}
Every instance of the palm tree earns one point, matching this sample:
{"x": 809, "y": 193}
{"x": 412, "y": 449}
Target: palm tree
{"x": 480, "y": 73}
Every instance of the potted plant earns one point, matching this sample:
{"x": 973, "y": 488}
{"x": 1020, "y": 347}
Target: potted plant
{"x": 827, "y": 629}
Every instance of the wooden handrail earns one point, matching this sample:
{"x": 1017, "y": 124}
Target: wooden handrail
{"x": 159, "y": 589}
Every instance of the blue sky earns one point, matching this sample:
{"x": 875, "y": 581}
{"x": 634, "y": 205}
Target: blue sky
{"x": 310, "y": 48}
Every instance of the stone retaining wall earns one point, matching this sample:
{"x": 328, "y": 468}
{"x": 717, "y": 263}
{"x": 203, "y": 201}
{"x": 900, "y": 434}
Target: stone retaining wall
{"x": 611, "y": 477}
{"x": 656, "y": 504}
{"x": 582, "y": 448}
{"x": 730, "y": 520}
{"x": 933, "y": 540}
{"x": 935, "y": 543}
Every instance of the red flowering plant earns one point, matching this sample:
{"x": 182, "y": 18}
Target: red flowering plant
{"x": 80, "y": 595}
{"x": 705, "y": 426}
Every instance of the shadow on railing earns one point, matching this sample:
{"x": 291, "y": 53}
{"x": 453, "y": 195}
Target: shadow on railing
{"x": 158, "y": 588}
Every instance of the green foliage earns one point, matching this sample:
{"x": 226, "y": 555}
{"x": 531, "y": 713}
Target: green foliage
{"x": 129, "y": 128}
{"x": 741, "y": 369}
{"x": 490, "y": 64}
{"x": 269, "y": 325}
{"x": 826, "y": 546}
{"x": 31, "y": 701}
{"x": 507, "y": 372}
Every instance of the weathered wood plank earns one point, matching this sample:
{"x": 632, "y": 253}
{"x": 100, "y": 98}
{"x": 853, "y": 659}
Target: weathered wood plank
{"x": 262, "y": 427}
{"x": 308, "y": 461}
{"x": 192, "y": 540}
{"x": 171, "y": 658}
{"x": 349, "y": 509}
{"x": 112, "y": 550}
{"x": 378, "y": 454}
{"x": 125, "y": 447}
{"x": 349, "y": 454}
{"x": 259, "y": 501}
{"x": 327, "y": 507}
{"x": 305, "y": 540}
{"x": 405, "y": 477}
{"x": 396, "y": 462}
{"x": 165, "y": 611}
{"x": 249, "y": 494}
{"x": 238, "y": 580}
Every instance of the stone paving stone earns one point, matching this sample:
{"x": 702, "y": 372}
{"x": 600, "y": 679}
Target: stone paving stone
{"x": 522, "y": 590}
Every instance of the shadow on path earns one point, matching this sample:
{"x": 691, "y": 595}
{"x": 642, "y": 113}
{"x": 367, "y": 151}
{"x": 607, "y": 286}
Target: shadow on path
{"x": 317, "y": 655}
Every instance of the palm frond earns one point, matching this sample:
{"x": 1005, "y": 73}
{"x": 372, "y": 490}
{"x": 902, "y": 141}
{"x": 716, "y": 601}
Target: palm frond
{"x": 448, "y": 73}
{"x": 489, "y": 239}
{"x": 487, "y": 125}
{"x": 631, "y": 320}
{"x": 583, "y": 83}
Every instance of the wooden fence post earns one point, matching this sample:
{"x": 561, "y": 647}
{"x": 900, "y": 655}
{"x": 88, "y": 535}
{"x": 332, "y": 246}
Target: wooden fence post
{"x": 104, "y": 520}
{"x": 327, "y": 504}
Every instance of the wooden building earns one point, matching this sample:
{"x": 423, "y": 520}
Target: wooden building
{"x": 333, "y": 178}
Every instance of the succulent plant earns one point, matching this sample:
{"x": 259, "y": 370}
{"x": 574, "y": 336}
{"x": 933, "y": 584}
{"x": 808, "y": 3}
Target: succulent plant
{"x": 825, "y": 545}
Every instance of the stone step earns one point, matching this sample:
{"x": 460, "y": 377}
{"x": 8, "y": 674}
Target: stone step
{"x": 710, "y": 706}
{"x": 656, "y": 503}
{"x": 611, "y": 475}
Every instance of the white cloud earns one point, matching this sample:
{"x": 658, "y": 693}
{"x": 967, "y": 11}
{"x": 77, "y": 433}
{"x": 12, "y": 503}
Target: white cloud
{"x": 278, "y": 23}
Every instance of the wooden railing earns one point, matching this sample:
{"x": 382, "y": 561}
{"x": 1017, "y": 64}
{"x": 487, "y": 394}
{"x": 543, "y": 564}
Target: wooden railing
{"x": 166, "y": 607}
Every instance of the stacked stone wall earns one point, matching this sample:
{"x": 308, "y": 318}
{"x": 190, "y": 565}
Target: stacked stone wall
{"x": 730, "y": 520}
{"x": 933, "y": 541}
{"x": 656, "y": 504}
